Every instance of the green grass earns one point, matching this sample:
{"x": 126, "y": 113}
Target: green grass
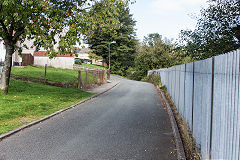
{"x": 28, "y": 101}
{"x": 93, "y": 66}
{"x": 53, "y": 74}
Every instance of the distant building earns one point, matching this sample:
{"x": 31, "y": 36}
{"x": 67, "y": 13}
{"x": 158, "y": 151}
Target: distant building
{"x": 82, "y": 53}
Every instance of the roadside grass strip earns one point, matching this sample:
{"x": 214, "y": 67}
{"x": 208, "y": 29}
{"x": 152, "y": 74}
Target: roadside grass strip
{"x": 27, "y": 102}
{"x": 94, "y": 66}
{"x": 53, "y": 74}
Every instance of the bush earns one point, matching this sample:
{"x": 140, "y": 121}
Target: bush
{"x": 78, "y": 62}
{"x": 154, "y": 79}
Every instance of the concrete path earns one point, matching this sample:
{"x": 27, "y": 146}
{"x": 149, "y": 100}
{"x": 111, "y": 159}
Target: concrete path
{"x": 127, "y": 122}
{"x": 114, "y": 80}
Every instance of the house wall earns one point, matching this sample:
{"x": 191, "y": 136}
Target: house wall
{"x": 58, "y": 62}
{"x": 2, "y": 51}
{"x": 83, "y": 56}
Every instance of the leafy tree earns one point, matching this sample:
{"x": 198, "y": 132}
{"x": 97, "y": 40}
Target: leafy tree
{"x": 217, "y": 32}
{"x": 155, "y": 53}
{"x": 94, "y": 56}
{"x": 122, "y": 53}
{"x": 48, "y": 23}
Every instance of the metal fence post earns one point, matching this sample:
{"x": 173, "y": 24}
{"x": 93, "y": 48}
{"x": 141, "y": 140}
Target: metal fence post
{"x": 211, "y": 121}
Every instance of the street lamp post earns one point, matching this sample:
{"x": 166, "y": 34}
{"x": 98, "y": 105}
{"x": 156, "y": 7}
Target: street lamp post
{"x": 109, "y": 66}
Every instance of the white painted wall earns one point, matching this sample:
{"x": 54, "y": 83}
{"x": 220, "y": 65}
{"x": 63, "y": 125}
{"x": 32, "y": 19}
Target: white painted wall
{"x": 2, "y": 51}
{"x": 58, "y": 62}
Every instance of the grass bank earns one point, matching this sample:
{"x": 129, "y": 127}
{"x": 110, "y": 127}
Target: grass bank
{"x": 53, "y": 74}
{"x": 28, "y": 101}
{"x": 93, "y": 66}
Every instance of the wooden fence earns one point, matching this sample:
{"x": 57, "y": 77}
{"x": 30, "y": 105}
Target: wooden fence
{"x": 93, "y": 76}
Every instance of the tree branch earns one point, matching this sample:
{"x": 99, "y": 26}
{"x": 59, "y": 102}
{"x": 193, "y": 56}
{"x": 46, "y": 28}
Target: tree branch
{"x": 18, "y": 33}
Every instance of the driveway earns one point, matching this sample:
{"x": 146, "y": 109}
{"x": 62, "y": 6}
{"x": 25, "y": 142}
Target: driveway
{"x": 127, "y": 122}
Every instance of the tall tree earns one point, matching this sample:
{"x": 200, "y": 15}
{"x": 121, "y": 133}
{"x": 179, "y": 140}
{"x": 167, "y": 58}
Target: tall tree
{"x": 122, "y": 53}
{"x": 155, "y": 53}
{"x": 45, "y": 21}
{"x": 217, "y": 32}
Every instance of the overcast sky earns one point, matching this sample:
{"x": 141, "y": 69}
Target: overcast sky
{"x": 166, "y": 17}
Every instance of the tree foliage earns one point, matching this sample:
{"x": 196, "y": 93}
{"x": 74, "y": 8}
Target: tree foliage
{"x": 122, "y": 52}
{"x": 217, "y": 31}
{"x": 155, "y": 53}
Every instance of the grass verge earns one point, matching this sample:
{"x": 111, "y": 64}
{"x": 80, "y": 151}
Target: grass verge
{"x": 189, "y": 145}
{"x": 93, "y": 66}
{"x": 28, "y": 101}
{"x": 53, "y": 74}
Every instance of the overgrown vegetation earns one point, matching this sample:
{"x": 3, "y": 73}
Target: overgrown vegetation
{"x": 156, "y": 53}
{"x": 28, "y": 101}
{"x": 154, "y": 79}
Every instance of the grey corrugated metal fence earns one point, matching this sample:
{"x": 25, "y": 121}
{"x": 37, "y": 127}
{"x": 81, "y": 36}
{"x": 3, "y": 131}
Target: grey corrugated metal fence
{"x": 207, "y": 95}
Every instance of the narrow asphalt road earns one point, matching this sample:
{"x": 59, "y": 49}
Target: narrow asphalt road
{"x": 127, "y": 122}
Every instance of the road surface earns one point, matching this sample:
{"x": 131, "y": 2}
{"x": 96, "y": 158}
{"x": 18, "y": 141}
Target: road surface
{"x": 127, "y": 122}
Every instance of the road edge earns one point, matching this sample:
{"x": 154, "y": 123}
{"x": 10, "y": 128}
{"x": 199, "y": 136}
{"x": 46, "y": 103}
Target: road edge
{"x": 8, "y": 134}
{"x": 179, "y": 145}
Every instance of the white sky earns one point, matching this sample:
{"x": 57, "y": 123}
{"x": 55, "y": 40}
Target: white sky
{"x": 166, "y": 17}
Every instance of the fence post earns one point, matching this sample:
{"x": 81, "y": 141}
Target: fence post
{"x": 211, "y": 121}
{"x": 94, "y": 77}
{"x": 86, "y": 77}
{"x": 108, "y": 77}
{"x": 79, "y": 79}
{"x": 45, "y": 74}
{"x": 101, "y": 76}
{"x": 104, "y": 76}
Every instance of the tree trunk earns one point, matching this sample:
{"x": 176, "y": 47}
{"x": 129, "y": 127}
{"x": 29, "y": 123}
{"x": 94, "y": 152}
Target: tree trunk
{"x": 5, "y": 78}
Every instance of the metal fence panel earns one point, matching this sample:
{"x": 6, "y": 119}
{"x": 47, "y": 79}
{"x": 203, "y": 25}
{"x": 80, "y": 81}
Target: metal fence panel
{"x": 182, "y": 89}
{"x": 206, "y": 73}
{"x": 209, "y": 102}
{"x": 217, "y": 106}
{"x": 197, "y": 105}
{"x": 189, "y": 94}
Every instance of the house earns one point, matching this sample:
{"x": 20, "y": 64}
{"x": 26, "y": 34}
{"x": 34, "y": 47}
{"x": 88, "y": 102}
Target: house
{"x": 39, "y": 58}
